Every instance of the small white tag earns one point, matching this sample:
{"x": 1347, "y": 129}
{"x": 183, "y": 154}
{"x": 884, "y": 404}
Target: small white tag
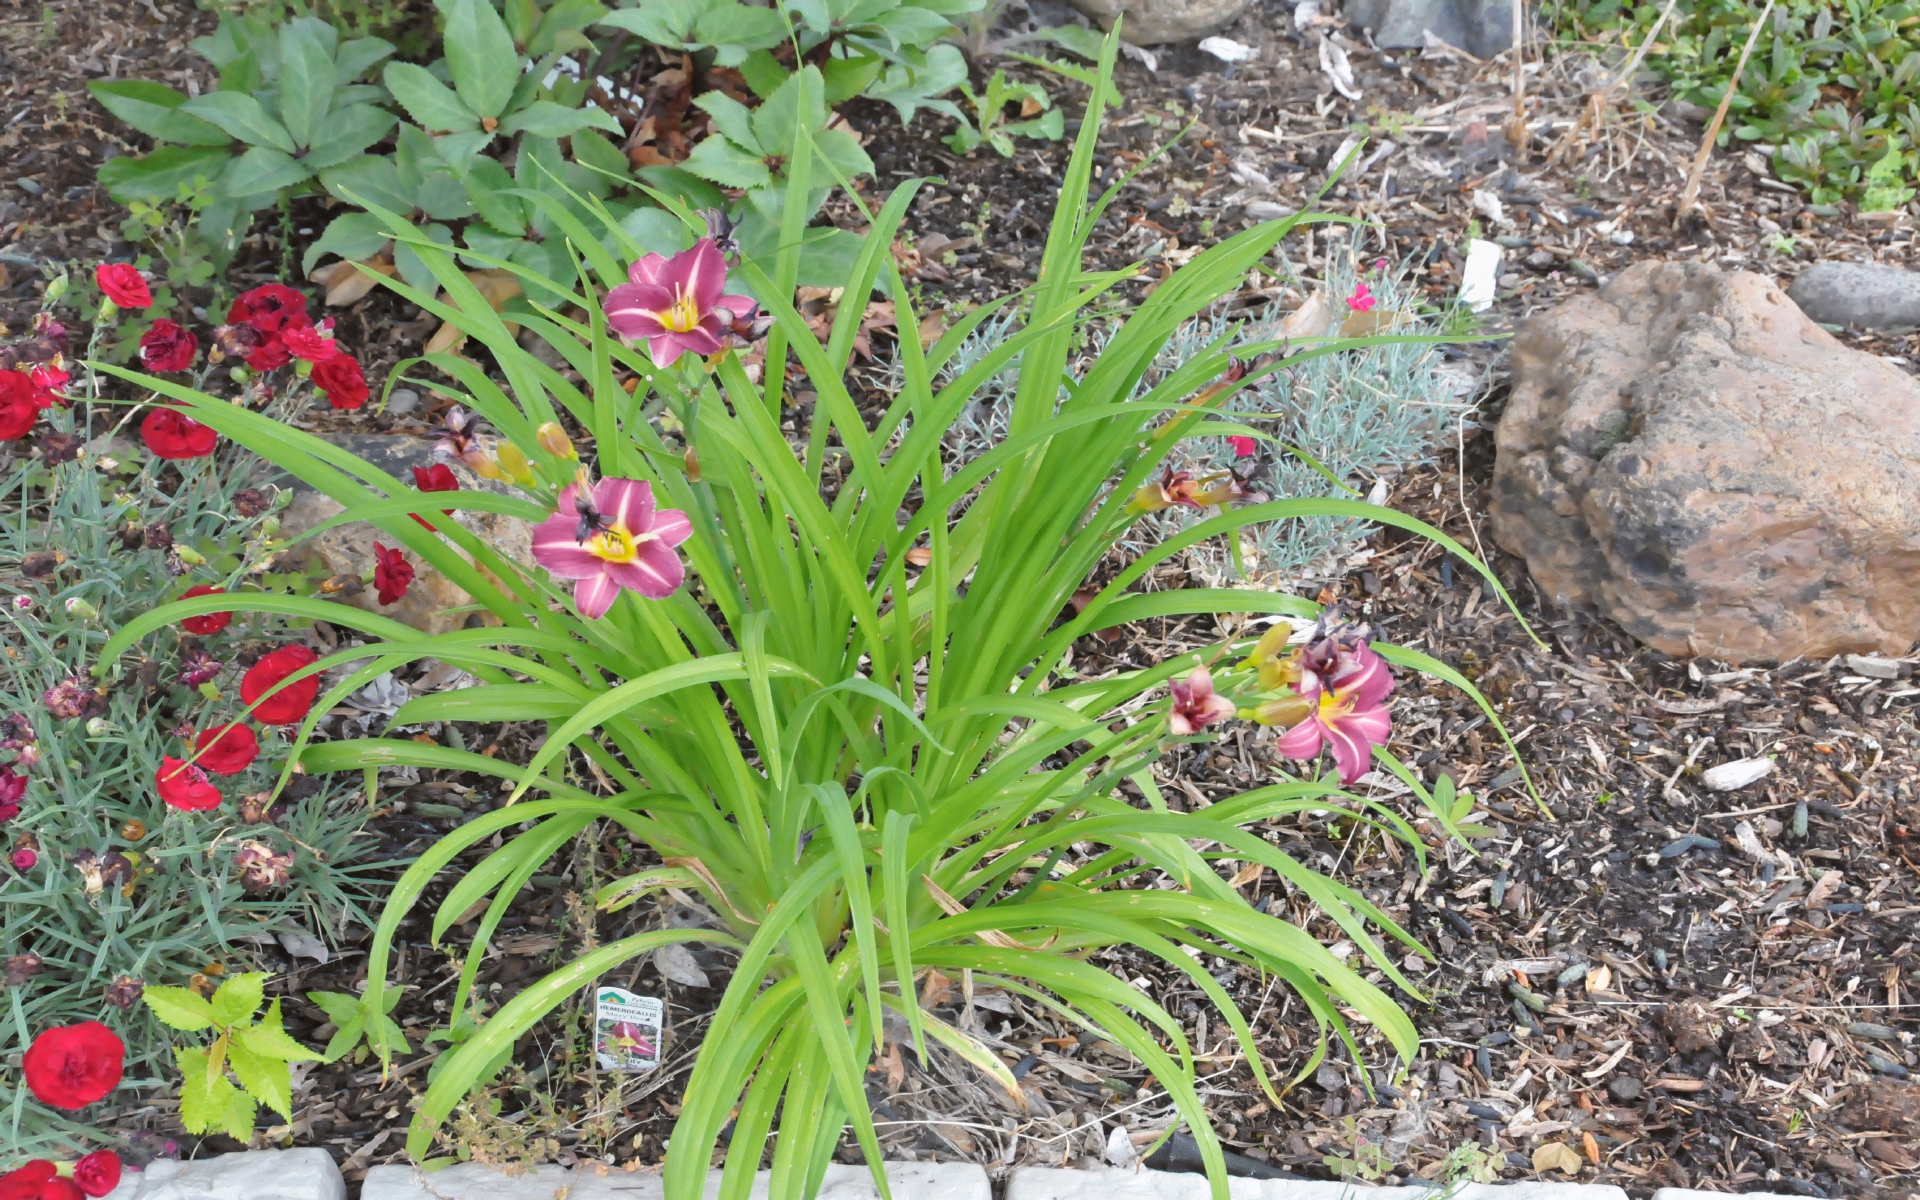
{"x": 626, "y": 1029}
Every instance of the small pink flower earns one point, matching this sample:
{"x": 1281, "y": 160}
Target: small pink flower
{"x": 25, "y": 858}
{"x": 1243, "y": 447}
{"x": 1362, "y": 300}
{"x": 616, "y": 540}
{"x": 23, "y": 603}
{"x": 1347, "y": 684}
{"x": 1195, "y": 704}
{"x": 676, "y": 305}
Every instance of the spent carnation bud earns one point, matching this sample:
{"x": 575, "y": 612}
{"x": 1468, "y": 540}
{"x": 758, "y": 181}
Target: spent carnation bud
{"x": 22, "y": 967}
{"x": 251, "y": 502}
{"x": 75, "y": 696}
{"x": 124, "y": 992}
{"x": 260, "y": 868}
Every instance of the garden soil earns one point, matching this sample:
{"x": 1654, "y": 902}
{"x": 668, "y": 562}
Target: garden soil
{"x": 1609, "y": 970}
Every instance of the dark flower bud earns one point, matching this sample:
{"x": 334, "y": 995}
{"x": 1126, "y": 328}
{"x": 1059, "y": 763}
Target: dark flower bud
{"x": 159, "y": 537}
{"x": 196, "y": 668}
{"x": 251, "y": 502}
{"x": 175, "y": 566}
{"x": 261, "y": 870}
{"x": 40, "y": 563}
{"x": 133, "y": 537}
{"x": 237, "y": 341}
{"x": 124, "y": 992}
{"x": 22, "y": 967}
{"x": 149, "y": 674}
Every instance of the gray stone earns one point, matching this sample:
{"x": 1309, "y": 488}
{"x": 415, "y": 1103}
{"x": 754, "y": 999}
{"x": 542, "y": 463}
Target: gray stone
{"x": 1482, "y": 28}
{"x": 307, "y": 1174}
{"x": 1152, "y": 22}
{"x": 1691, "y": 1194}
{"x": 433, "y": 603}
{"x": 469, "y": 1181}
{"x": 1858, "y": 294}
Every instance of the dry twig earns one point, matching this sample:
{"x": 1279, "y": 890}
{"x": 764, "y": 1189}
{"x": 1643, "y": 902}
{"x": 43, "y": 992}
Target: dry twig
{"x": 1689, "y": 193}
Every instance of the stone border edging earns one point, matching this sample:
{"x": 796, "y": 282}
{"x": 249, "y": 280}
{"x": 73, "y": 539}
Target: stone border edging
{"x": 305, "y": 1174}
{"x": 310, "y": 1174}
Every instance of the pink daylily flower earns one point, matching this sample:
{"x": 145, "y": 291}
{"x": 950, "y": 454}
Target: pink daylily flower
{"x": 1348, "y": 684}
{"x": 616, "y": 539}
{"x": 676, "y": 304}
{"x": 1195, "y": 704}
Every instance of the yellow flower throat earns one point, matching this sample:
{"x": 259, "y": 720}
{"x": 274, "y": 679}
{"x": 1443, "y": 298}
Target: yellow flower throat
{"x": 682, "y": 315}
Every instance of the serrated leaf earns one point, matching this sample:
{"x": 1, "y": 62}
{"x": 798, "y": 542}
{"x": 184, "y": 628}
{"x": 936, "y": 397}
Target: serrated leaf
{"x": 339, "y": 1006}
{"x": 241, "y": 1111}
{"x": 306, "y": 81}
{"x": 547, "y": 119}
{"x": 153, "y": 109}
{"x": 205, "y": 1099}
{"x": 266, "y": 1079}
{"x": 243, "y": 117}
{"x": 354, "y": 235}
{"x": 480, "y": 54}
{"x": 434, "y": 105}
{"x": 354, "y": 58}
{"x": 275, "y": 1043}
{"x": 262, "y": 171}
{"x": 239, "y": 998}
{"x": 368, "y": 178}
{"x": 158, "y": 176}
{"x": 179, "y": 1008}
{"x": 348, "y": 133}
{"x": 733, "y": 119}
{"x": 726, "y": 164}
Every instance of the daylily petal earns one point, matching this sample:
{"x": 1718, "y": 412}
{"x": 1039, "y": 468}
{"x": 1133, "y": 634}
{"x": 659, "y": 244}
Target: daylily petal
{"x": 1352, "y": 752}
{"x": 627, "y": 503}
{"x": 1374, "y": 724}
{"x": 1361, "y": 677}
{"x": 671, "y": 526}
{"x": 647, "y": 270}
{"x": 556, "y": 549}
{"x": 655, "y": 572}
{"x": 595, "y": 595}
{"x": 1303, "y": 740}
{"x": 705, "y": 273}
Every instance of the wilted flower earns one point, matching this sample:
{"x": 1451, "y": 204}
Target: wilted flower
{"x": 124, "y": 992}
{"x": 1180, "y": 489}
{"x": 22, "y": 967}
{"x": 57, "y": 447}
{"x": 257, "y": 808}
{"x": 392, "y": 573}
{"x": 133, "y": 830}
{"x": 670, "y": 303}
{"x": 40, "y": 563}
{"x": 251, "y": 502}
{"x": 157, "y": 537}
{"x": 260, "y": 868}
{"x": 49, "y": 338}
{"x": 459, "y": 438}
{"x": 1195, "y": 704}
{"x": 720, "y": 229}
{"x": 238, "y": 340}
{"x": 101, "y": 871}
{"x": 197, "y": 667}
{"x": 74, "y": 696}
{"x": 616, "y": 540}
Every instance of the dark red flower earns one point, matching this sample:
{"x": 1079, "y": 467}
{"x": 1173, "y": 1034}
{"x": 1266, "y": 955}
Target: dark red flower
{"x": 227, "y": 751}
{"x": 170, "y": 433}
{"x": 269, "y": 353}
{"x": 290, "y": 703}
{"x": 392, "y": 573}
{"x": 437, "y": 478}
{"x": 39, "y": 1180}
{"x": 18, "y": 412}
{"x": 47, "y": 381}
{"x": 209, "y": 623}
{"x": 197, "y": 667}
{"x": 98, "y": 1173}
{"x": 270, "y": 308}
{"x": 13, "y": 789}
{"x": 123, "y": 285}
{"x": 312, "y": 342}
{"x": 185, "y": 786}
{"x": 72, "y": 1066}
{"x": 168, "y": 347}
{"x": 340, "y": 378}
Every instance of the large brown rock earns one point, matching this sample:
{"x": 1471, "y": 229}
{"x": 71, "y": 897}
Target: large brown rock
{"x": 1687, "y": 452}
{"x": 1151, "y": 22}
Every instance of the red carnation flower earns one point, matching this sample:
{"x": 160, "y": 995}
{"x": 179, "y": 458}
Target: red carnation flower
{"x": 437, "y": 478}
{"x": 168, "y": 347}
{"x": 340, "y": 378}
{"x": 123, "y": 285}
{"x": 392, "y": 573}
{"x": 210, "y": 623}
{"x": 290, "y": 703}
{"x": 18, "y": 412}
{"x": 185, "y": 786}
{"x": 98, "y": 1173}
{"x": 47, "y": 381}
{"x": 170, "y": 433}
{"x": 270, "y": 308}
{"x": 71, "y": 1066}
{"x": 227, "y": 751}
{"x": 269, "y": 353}
{"x": 38, "y": 1180}
{"x": 312, "y": 342}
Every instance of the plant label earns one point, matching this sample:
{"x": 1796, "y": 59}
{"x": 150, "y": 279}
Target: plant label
{"x": 626, "y": 1030}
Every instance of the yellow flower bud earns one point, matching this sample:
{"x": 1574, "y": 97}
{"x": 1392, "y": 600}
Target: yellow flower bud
{"x": 188, "y": 555}
{"x": 554, "y": 441}
{"x": 515, "y": 463}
